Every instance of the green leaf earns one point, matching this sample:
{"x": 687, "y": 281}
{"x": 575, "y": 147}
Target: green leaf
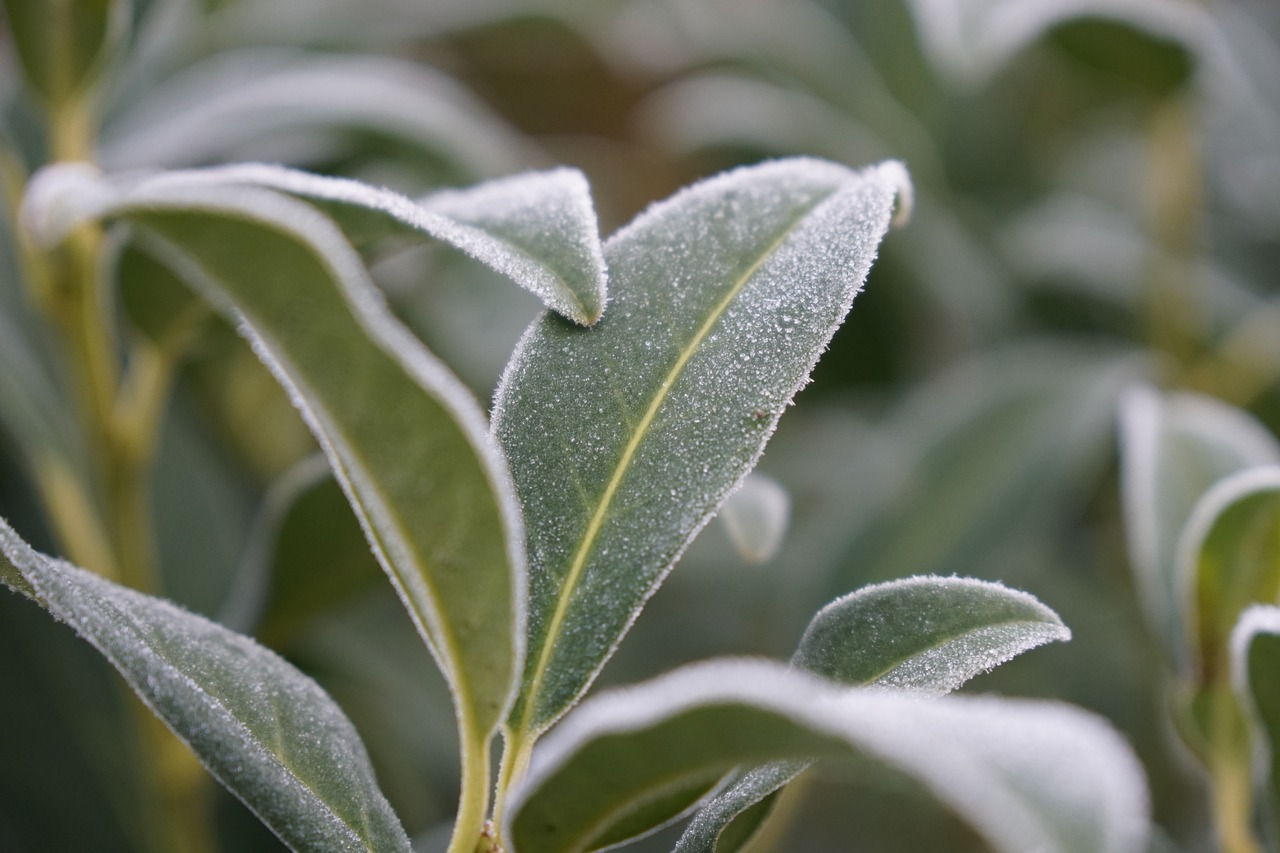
{"x": 405, "y": 439}
{"x": 302, "y": 107}
{"x": 1228, "y": 559}
{"x": 1174, "y": 447}
{"x": 62, "y": 43}
{"x": 1025, "y": 775}
{"x": 924, "y": 634}
{"x": 538, "y": 229}
{"x": 625, "y": 438}
{"x": 1255, "y": 660}
{"x": 265, "y": 730}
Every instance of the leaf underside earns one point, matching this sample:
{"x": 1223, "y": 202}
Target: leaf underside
{"x": 1025, "y": 775}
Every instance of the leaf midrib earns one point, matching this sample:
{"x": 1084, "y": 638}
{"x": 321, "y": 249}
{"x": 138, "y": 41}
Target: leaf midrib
{"x": 638, "y": 435}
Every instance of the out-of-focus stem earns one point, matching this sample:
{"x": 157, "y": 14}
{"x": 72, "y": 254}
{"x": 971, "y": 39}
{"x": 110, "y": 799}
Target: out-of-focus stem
{"x": 1173, "y": 181}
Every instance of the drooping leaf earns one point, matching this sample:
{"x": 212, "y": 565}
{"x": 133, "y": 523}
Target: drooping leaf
{"x": 406, "y": 441}
{"x": 1255, "y": 660}
{"x": 265, "y": 730}
{"x": 1025, "y": 775}
{"x": 300, "y": 108}
{"x": 624, "y": 439}
{"x": 539, "y": 229}
{"x": 1174, "y": 447}
{"x": 924, "y": 634}
{"x": 62, "y": 43}
{"x": 756, "y": 517}
{"x": 1229, "y": 558}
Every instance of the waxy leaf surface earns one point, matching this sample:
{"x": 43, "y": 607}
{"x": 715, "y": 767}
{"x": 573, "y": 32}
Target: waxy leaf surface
{"x": 1173, "y": 449}
{"x": 623, "y": 439}
{"x": 1025, "y": 775}
{"x": 265, "y": 730}
{"x": 539, "y": 229}
{"x": 924, "y": 634}
{"x": 406, "y": 441}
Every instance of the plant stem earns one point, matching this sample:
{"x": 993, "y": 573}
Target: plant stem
{"x": 1173, "y": 188}
{"x": 120, "y": 417}
{"x": 1230, "y": 773}
{"x": 516, "y": 752}
{"x": 473, "y": 799}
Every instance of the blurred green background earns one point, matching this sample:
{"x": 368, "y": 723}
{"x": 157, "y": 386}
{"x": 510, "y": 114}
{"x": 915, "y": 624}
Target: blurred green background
{"x": 1097, "y": 205}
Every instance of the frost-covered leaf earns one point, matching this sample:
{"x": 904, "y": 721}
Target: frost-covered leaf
{"x": 265, "y": 730}
{"x": 1255, "y": 662}
{"x": 625, "y": 438}
{"x": 970, "y": 40}
{"x": 62, "y": 43}
{"x": 1174, "y": 447}
{"x": 925, "y": 634}
{"x": 1229, "y": 558}
{"x": 756, "y": 517}
{"x": 539, "y": 229}
{"x": 1025, "y": 775}
{"x": 405, "y": 439}
{"x": 299, "y": 108}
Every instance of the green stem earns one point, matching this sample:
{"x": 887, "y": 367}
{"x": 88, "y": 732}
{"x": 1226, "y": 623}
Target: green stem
{"x": 1231, "y": 777}
{"x": 108, "y": 525}
{"x": 516, "y": 752}
{"x": 469, "y": 827}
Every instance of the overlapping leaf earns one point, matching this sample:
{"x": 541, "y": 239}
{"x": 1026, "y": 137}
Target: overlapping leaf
{"x": 1173, "y": 449}
{"x": 406, "y": 441}
{"x": 623, "y": 440}
{"x": 924, "y": 634}
{"x": 265, "y": 730}
{"x": 1025, "y": 775}
{"x": 538, "y": 229}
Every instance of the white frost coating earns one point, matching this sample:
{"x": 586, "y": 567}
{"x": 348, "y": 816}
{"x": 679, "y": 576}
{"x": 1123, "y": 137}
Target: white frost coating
{"x": 1205, "y": 515}
{"x": 263, "y": 729}
{"x": 276, "y": 104}
{"x": 501, "y": 223}
{"x": 311, "y": 228}
{"x": 971, "y": 39}
{"x": 625, "y": 440}
{"x": 756, "y": 517}
{"x": 1026, "y": 775}
{"x": 1217, "y": 438}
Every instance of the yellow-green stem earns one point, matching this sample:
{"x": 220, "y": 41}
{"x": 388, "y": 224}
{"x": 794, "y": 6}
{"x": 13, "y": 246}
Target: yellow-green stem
{"x": 1173, "y": 181}
{"x": 516, "y": 752}
{"x": 473, "y": 799}
{"x": 1230, "y": 773}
